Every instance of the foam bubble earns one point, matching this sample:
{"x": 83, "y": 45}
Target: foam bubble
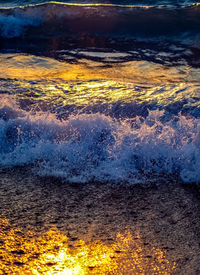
{"x": 97, "y": 147}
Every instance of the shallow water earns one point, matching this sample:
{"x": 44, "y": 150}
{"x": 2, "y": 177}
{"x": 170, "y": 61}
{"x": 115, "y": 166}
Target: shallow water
{"x": 121, "y": 122}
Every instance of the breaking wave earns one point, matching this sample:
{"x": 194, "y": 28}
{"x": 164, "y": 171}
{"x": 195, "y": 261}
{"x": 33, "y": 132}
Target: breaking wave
{"x": 54, "y": 19}
{"x": 88, "y": 147}
{"x": 13, "y": 26}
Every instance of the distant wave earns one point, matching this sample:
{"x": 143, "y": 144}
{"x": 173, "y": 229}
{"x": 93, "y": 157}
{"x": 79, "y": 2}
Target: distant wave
{"x": 113, "y": 2}
{"x": 97, "y": 147}
{"x": 53, "y": 20}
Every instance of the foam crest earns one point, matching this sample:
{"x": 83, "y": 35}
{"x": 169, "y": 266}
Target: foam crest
{"x": 89, "y": 147}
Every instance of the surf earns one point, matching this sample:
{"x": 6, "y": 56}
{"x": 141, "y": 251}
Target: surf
{"x": 58, "y": 19}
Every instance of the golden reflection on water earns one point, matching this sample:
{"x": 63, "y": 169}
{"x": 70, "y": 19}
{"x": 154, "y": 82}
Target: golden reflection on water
{"x": 29, "y": 67}
{"x": 88, "y": 83}
{"x": 52, "y": 253}
{"x": 88, "y": 93}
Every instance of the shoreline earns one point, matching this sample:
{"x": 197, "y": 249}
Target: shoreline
{"x": 166, "y": 216}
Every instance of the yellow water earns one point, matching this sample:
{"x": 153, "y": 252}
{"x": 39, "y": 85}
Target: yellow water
{"x": 88, "y": 83}
{"x": 29, "y": 67}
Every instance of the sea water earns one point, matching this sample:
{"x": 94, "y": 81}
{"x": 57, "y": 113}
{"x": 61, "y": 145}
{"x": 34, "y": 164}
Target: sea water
{"x": 101, "y": 91}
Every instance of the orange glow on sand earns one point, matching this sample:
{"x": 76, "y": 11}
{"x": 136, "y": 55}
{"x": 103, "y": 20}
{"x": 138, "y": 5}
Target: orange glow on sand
{"x": 51, "y": 253}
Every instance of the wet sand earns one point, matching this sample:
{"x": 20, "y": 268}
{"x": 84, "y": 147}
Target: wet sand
{"x": 167, "y": 217}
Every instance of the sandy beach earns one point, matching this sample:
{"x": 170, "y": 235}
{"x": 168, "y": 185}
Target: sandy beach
{"x": 165, "y": 217}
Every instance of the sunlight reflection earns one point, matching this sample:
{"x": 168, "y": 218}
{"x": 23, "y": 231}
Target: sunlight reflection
{"x": 89, "y": 93}
{"x": 52, "y": 253}
{"x": 37, "y": 68}
{"x": 50, "y": 82}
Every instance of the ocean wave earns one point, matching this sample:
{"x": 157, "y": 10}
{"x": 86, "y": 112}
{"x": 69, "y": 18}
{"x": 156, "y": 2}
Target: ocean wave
{"x": 111, "y": 2}
{"x": 88, "y": 147}
{"x": 13, "y": 26}
{"x": 54, "y": 19}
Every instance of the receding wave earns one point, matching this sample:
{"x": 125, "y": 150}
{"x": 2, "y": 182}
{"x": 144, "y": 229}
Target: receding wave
{"x": 53, "y": 19}
{"x": 88, "y": 147}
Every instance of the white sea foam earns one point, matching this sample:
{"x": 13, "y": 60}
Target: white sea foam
{"x": 97, "y": 147}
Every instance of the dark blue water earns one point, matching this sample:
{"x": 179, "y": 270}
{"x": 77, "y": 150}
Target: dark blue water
{"x": 51, "y": 19}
